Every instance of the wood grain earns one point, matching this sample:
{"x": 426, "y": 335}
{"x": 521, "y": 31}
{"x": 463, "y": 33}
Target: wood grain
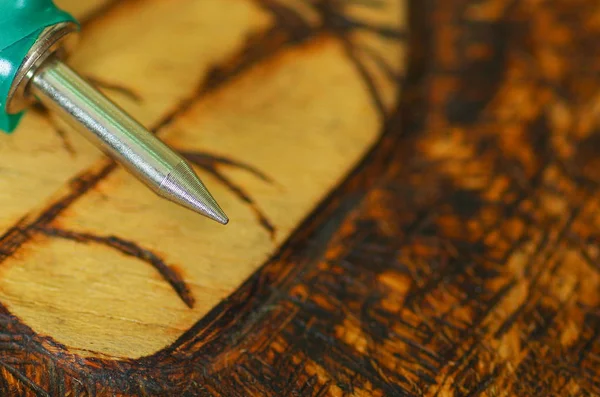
{"x": 458, "y": 258}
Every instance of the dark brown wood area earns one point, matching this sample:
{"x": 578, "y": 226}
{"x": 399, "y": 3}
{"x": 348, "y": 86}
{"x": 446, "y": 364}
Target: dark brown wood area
{"x": 460, "y": 258}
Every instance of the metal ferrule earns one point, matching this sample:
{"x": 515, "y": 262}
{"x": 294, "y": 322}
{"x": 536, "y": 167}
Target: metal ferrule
{"x": 57, "y": 40}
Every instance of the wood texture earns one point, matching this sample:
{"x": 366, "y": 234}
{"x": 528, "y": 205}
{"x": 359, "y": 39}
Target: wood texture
{"x": 460, "y": 257}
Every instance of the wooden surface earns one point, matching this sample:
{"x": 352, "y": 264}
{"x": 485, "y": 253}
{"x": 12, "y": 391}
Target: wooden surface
{"x": 444, "y": 244}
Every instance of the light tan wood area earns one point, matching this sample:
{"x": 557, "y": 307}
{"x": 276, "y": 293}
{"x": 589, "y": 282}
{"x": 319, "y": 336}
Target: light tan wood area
{"x": 271, "y": 134}
{"x": 83, "y": 9}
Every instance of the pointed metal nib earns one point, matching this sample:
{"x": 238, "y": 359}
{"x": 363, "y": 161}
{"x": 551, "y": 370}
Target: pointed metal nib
{"x": 163, "y": 170}
{"x": 183, "y": 187}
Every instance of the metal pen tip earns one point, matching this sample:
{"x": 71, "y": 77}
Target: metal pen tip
{"x": 155, "y": 164}
{"x": 183, "y": 187}
{"x": 44, "y": 76}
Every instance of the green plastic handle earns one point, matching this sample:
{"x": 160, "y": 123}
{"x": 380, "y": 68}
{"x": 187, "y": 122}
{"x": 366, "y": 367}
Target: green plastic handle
{"x": 21, "y": 22}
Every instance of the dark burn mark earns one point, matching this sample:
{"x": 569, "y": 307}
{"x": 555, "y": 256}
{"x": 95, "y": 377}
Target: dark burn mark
{"x": 362, "y": 70}
{"x": 391, "y": 73}
{"x": 466, "y": 203}
{"x": 118, "y": 88}
{"x": 539, "y": 133}
{"x": 586, "y": 163}
{"x": 211, "y": 163}
{"x": 334, "y": 19}
{"x": 202, "y": 159}
{"x": 130, "y": 248}
{"x": 22, "y": 232}
{"x": 65, "y": 140}
{"x": 478, "y": 76}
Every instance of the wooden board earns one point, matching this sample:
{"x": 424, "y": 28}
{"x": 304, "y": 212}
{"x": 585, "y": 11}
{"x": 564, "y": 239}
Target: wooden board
{"x": 444, "y": 245}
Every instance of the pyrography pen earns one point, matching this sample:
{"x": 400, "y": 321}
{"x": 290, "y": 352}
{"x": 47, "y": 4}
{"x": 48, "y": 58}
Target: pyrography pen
{"x": 35, "y": 38}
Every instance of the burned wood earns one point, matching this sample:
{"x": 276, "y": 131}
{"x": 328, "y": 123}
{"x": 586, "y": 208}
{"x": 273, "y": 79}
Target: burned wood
{"x": 458, "y": 258}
